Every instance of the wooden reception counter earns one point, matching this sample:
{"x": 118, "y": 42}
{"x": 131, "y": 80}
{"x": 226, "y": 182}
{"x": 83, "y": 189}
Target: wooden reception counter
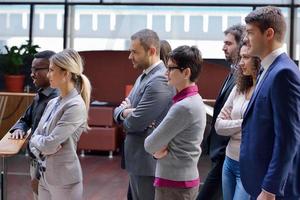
{"x": 12, "y": 106}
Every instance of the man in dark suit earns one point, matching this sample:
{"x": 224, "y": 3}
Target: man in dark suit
{"x": 33, "y": 114}
{"x": 270, "y": 148}
{"x": 212, "y": 188}
{"x": 144, "y": 108}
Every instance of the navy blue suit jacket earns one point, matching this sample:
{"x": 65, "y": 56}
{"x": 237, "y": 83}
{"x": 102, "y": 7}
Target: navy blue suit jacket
{"x": 270, "y": 148}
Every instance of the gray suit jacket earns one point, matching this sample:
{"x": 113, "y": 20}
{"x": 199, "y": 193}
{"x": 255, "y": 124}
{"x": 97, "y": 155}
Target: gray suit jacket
{"x": 151, "y": 98}
{"x": 57, "y": 138}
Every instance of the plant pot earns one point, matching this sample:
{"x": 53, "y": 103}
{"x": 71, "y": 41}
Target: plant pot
{"x": 14, "y": 83}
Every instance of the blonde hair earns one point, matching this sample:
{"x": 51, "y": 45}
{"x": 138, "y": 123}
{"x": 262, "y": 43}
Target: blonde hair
{"x": 71, "y": 61}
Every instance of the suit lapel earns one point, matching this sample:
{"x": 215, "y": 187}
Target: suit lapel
{"x": 226, "y": 85}
{"x": 261, "y": 84}
{"x": 140, "y": 85}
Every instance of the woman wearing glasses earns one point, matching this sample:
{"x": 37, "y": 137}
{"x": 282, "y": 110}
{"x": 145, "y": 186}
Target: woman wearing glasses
{"x": 55, "y": 140}
{"x": 175, "y": 143}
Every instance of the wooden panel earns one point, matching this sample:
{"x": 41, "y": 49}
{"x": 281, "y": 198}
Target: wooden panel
{"x": 98, "y": 138}
{"x": 15, "y": 107}
{"x": 101, "y": 116}
{"x": 9, "y": 147}
{"x": 111, "y": 71}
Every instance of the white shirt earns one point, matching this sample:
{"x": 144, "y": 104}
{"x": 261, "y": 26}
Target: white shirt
{"x": 267, "y": 61}
{"x": 146, "y": 71}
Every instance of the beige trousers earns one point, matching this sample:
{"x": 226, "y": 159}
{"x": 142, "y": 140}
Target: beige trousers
{"x": 66, "y": 192}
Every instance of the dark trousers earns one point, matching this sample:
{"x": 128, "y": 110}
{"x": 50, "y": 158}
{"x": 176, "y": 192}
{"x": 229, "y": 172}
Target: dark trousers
{"x": 141, "y": 187}
{"x": 212, "y": 187}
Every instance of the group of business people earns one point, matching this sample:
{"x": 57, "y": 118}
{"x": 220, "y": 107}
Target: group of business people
{"x": 260, "y": 114}
{"x": 255, "y": 144}
{"x": 164, "y": 119}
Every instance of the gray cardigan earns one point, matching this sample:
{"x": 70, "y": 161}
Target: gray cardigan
{"x": 182, "y": 132}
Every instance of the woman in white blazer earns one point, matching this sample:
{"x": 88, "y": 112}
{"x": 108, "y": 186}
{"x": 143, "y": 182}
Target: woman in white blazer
{"x": 55, "y": 140}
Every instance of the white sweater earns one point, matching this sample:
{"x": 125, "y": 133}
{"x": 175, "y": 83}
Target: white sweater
{"x": 236, "y": 104}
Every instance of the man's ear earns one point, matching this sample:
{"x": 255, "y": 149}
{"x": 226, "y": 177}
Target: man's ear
{"x": 270, "y": 34}
{"x": 152, "y": 51}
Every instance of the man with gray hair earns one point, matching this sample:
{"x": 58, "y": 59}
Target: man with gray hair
{"x": 144, "y": 108}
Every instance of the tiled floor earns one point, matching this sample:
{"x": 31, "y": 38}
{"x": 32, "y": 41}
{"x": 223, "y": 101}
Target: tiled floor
{"x": 103, "y": 177}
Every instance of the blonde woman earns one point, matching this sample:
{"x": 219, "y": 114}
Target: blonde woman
{"x": 65, "y": 118}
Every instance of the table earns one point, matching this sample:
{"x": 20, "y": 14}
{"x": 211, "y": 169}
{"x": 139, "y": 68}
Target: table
{"x": 8, "y": 147}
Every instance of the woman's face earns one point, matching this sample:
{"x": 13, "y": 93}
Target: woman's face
{"x": 174, "y": 75}
{"x": 57, "y": 76}
{"x": 246, "y": 62}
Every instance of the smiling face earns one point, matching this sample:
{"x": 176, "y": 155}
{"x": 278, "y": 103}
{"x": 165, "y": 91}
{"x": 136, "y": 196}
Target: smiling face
{"x": 39, "y": 70}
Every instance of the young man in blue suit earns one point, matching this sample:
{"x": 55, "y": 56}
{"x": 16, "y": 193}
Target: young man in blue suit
{"x": 270, "y": 148}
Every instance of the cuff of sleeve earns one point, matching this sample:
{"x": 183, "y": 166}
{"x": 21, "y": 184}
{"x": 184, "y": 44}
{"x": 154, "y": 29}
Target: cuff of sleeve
{"x": 34, "y": 140}
{"x": 269, "y": 193}
{"x": 121, "y": 116}
{"x": 274, "y": 187}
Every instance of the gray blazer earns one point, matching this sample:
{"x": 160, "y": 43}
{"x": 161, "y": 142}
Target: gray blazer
{"x": 57, "y": 138}
{"x": 151, "y": 98}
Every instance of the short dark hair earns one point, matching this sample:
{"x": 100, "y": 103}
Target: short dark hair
{"x": 188, "y": 57}
{"x": 165, "y": 49}
{"x": 147, "y": 38}
{"x": 238, "y": 31}
{"x": 47, "y": 54}
{"x": 268, "y": 17}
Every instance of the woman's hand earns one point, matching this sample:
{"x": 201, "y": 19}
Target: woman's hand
{"x": 225, "y": 113}
{"x": 161, "y": 153}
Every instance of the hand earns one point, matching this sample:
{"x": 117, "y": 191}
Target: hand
{"x": 50, "y": 153}
{"x": 161, "y": 153}
{"x": 264, "y": 195}
{"x": 17, "y": 134}
{"x": 127, "y": 111}
{"x": 225, "y": 113}
{"x": 126, "y": 103}
{"x": 152, "y": 125}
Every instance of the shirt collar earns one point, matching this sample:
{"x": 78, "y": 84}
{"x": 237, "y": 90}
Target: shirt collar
{"x": 46, "y": 91}
{"x": 146, "y": 71}
{"x": 269, "y": 59}
{"x": 186, "y": 92}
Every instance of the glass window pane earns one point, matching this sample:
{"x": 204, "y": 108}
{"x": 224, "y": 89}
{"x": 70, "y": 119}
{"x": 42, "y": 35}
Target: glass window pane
{"x": 110, "y": 27}
{"x": 204, "y": 1}
{"x": 84, "y": 1}
{"x": 14, "y": 21}
{"x": 22, "y": 1}
{"x": 48, "y": 24}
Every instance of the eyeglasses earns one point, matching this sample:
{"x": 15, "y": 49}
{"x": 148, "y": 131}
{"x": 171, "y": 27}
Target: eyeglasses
{"x": 169, "y": 69}
{"x": 35, "y": 69}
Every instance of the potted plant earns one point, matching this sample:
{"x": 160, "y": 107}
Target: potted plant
{"x": 13, "y": 64}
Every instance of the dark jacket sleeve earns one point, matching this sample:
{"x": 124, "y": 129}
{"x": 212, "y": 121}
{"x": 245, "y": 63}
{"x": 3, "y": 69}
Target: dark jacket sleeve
{"x": 25, "y": 122}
